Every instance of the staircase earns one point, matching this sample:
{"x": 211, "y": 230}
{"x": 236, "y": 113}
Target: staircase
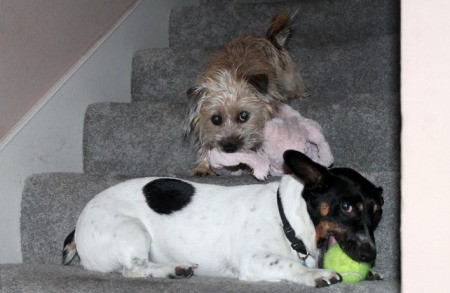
{"x": 348, "y": 54}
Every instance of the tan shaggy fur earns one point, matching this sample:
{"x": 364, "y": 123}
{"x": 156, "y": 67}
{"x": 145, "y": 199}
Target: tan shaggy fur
{"x": 240, "y": 88}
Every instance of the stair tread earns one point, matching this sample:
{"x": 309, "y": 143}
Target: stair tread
{"x": 134, "y": 138}
{"x": 319, "y": 21}
{"x": 48, "y": 278}
{"x": 363, "y": 66}
{"x": 221, "y": 2}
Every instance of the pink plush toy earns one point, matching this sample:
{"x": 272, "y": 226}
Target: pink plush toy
{"x": 288, "y": 130}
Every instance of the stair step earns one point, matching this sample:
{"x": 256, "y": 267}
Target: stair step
{"x": 51, "y": 204}
{"x": 319, "y": 21}
{"x": 26, "y": 278}
{"x": 363, "y": 130}
{"x": 57, "y": 200}
{"x": 139, "y": 139}
{"x": 146, "y": 138}
{"x": 161, "y": 74}
{"x": 365, "y": 66}
{"x": 221, "y": 2}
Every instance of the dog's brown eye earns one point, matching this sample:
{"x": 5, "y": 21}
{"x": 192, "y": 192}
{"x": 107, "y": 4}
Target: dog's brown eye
{"x": 346, "y": 207}
{"x": 244, "y": 116}
{"x": 216, "y": 120}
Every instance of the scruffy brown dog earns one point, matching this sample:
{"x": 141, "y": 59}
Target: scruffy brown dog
{"x": 239, "y": 90}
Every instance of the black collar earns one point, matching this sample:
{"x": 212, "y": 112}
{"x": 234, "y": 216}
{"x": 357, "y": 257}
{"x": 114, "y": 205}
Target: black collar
{"x": 296, "y": 243}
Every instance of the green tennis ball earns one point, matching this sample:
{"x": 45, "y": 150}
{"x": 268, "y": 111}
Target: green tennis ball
{"x": 351, "y": 271}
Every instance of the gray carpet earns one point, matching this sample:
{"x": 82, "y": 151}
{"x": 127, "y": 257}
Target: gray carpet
{"x": 131, "y": 139}
{"x": 369, "y": 65}
{"x": 56, "y": 279}
{"x": 348, "y": 53}
{"x": 320, "y": 22}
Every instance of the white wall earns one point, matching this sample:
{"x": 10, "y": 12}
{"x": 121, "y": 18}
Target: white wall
{"x": 40, "y": 40}
{"x": 49, "y": 137}
{"x": 425, "y": 96}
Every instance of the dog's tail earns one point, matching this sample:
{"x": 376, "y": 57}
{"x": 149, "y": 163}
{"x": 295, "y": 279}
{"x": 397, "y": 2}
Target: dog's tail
{"x": 69, "y": 249}
{"x": 280, "y": 28}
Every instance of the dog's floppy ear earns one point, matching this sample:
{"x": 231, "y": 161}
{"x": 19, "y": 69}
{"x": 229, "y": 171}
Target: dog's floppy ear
{"x": 260, "y": 82}
{"x": 313, "y": 175}
{"x": 194, "y": 94}
{"x": 195, "y": 97}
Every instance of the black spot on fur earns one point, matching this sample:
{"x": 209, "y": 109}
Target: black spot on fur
{"x": 166, "y": 196}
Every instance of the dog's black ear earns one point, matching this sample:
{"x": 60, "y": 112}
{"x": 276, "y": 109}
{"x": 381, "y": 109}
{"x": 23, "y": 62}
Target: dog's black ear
{"x": 313, "y": 175}
{"x": 259, "y": 81}
{"x": 380, "y": 196}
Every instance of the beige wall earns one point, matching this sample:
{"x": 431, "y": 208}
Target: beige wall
{"x": 425, "y": 145}
{"x": 39, "y": 41}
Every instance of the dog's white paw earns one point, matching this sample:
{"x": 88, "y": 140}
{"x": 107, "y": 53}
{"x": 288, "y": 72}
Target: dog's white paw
{"x": 327, "y": 278}
{"x": 374, "y": 276}
{"x": 320, "y": 278}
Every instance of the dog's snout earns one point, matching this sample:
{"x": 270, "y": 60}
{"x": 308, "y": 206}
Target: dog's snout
{"x": 231, "y": 145}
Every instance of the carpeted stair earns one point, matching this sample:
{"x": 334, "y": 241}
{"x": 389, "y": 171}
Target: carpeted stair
{"x": 348, "y": 54}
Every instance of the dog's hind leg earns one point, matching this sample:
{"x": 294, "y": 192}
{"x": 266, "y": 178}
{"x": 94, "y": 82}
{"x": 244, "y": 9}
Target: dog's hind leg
{"x": 133, "y": 254}
{"x": 270, "y": 267}
{"x": 141, "y": 268}
{"x": 292, "y": 83}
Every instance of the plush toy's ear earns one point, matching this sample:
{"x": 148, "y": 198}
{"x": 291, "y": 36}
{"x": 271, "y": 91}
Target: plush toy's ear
{"x": 313, "y": 175}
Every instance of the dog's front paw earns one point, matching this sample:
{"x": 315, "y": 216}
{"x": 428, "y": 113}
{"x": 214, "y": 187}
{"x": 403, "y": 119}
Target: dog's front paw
{"x": 328, "y": 281}
{"x": 202, "y": 171}
{"x": 261, "y": 173}
{"x": 319, "y": 278}
{"x": 373, "y": 276}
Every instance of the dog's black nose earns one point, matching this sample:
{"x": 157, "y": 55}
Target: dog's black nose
{"x": 367, "y": 253}
{"x": 229, "y": 147}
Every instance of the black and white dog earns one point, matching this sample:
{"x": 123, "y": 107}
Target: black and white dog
{"x": 262, "y": 232}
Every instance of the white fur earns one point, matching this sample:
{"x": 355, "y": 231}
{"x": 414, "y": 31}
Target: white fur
{"x": 228, "y": 231}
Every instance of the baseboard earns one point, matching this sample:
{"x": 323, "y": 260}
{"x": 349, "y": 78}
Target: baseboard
{"x": 49, "y": 137}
